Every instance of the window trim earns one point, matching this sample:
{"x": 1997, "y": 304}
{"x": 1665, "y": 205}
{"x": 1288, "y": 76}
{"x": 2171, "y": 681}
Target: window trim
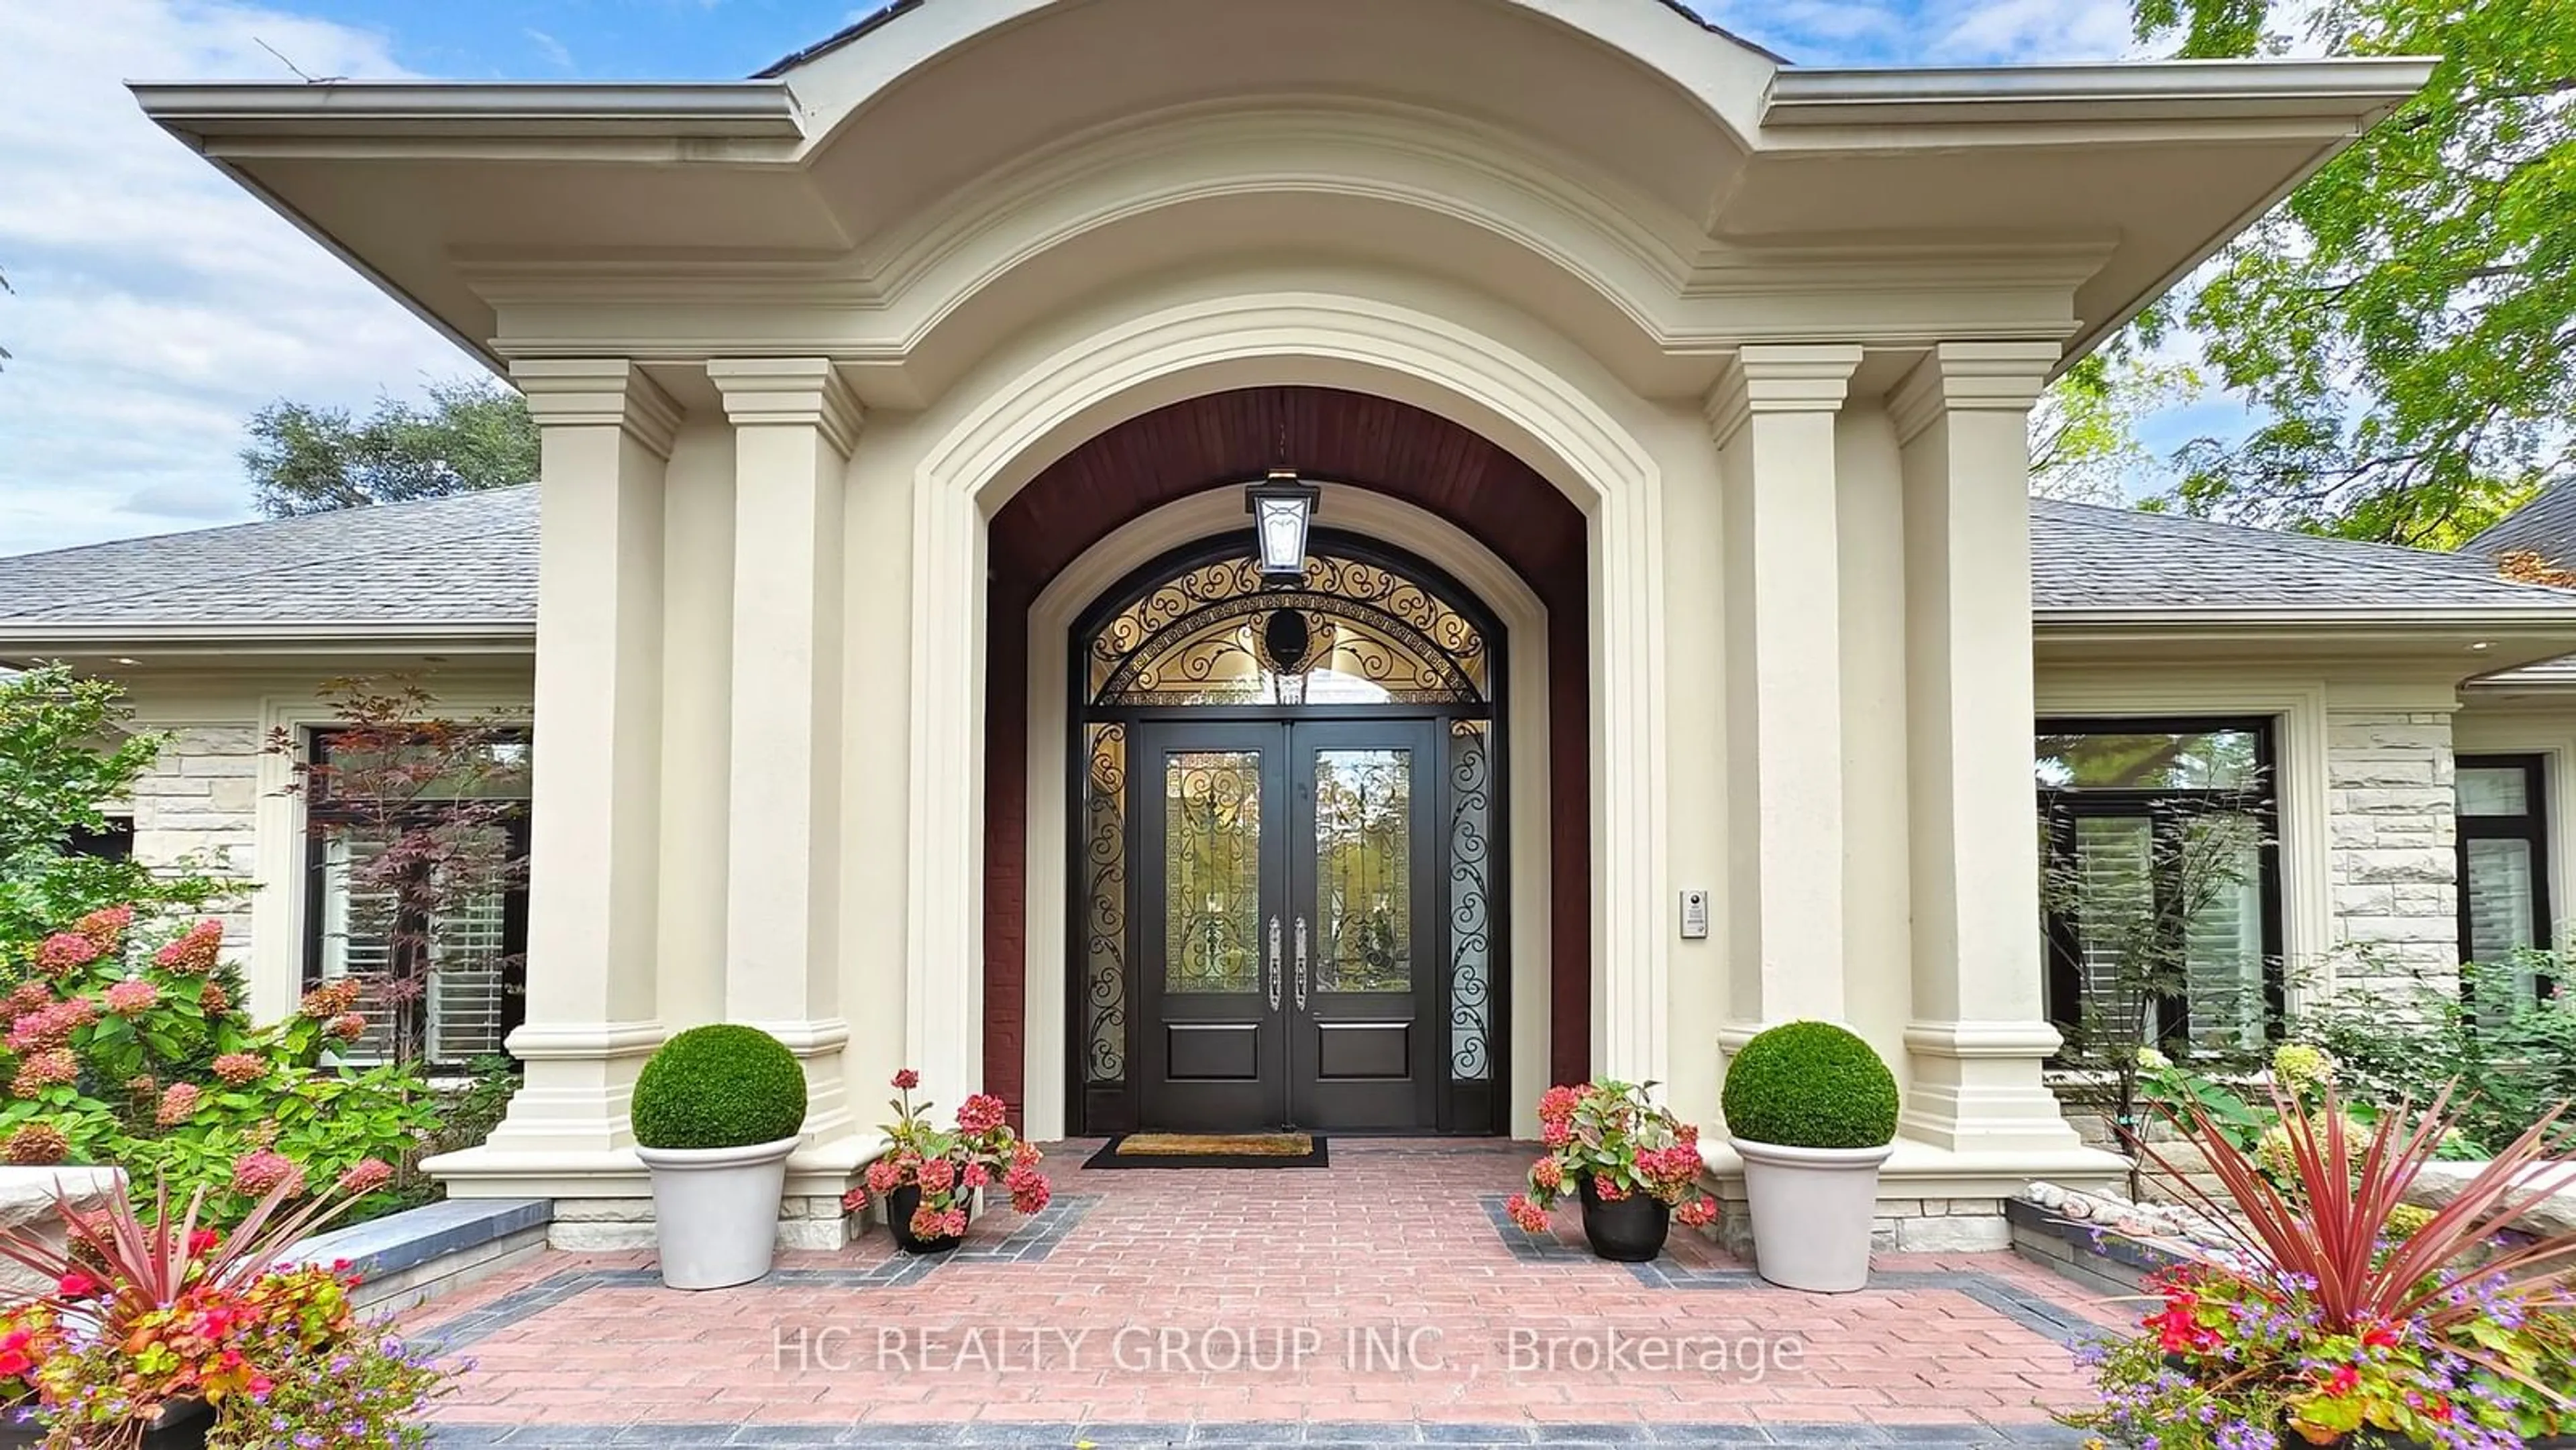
{"x": 2060, "y": 808}
{"x": 319, "y": 810}
{"x": 2532, "y": 826}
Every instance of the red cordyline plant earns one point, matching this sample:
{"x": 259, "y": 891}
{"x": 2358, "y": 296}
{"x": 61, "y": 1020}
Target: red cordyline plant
{"x": 2334, "y": 1226}
{"x": 117, "y": 1265}
{"x": 1614, "y": 1135}
{"x": 2342, "y": 1311}
{"x": 149, "y": 1313}
{"x": 948, "y": 1167}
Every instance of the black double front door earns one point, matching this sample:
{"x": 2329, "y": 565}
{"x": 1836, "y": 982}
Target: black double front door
{"x": 1287, "y": 932}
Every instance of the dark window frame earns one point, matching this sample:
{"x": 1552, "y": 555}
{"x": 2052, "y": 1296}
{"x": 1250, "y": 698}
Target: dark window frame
{"x": 320, "y": 810}
{"x": 2532, "y": 827}
{"x": 115, "y": 843}
{"x": 2170, "y": 810}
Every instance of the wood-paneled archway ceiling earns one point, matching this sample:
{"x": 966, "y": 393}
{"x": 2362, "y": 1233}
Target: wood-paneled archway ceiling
{"x": 1234, "y": 437}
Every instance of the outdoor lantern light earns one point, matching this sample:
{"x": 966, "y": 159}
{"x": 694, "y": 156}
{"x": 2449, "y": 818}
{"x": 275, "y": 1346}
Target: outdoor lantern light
{"x": 1281, "y": 506}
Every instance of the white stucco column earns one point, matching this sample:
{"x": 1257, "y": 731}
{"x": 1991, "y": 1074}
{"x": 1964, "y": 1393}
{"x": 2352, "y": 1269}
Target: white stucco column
{"x": 795, "y": 423}
{"x": 593, "y": 869}
{"x": 1979, "y": 1031}
{"x": 1772, "y": 417}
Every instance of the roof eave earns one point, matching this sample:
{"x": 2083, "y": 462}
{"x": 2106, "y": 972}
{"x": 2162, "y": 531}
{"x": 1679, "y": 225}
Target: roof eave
{"x": 32, "y": 639}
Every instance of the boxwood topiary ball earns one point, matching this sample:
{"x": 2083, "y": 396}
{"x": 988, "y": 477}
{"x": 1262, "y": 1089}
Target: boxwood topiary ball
{"x": 724, "y": 1086}
{"x": 1810, "y": 1085}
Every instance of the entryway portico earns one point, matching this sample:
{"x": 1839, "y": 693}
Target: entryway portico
{"x": 1757, "y": 345}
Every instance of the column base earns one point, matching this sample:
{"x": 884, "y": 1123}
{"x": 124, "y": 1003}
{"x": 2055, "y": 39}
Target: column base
{"x": 817, "y": 1044}
{"x": 580, "y": 1079}
{"x": 1977, "y": 1089}
{"x": 1931, "y": 1199}
{"x": 604, "y": 1201}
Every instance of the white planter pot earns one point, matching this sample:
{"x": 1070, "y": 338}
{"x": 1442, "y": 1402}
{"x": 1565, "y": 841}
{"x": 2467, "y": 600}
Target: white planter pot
{"x": 715, "y": 1211}
{"x": 1812, "y": 1209}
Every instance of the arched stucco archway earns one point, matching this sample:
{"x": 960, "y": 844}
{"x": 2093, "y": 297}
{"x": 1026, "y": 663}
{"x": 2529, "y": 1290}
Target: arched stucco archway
{"x": 1028, "y": 420}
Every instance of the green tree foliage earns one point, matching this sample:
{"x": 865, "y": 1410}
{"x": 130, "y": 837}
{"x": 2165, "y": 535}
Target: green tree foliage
{"x": 2405, "y": 322}
{"x": 473, "y": 434}
{"x": 2084, "y": 443}
{"x": 65, "y": 747}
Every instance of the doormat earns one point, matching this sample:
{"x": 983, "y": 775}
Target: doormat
{"x": 1210, "y": 1150}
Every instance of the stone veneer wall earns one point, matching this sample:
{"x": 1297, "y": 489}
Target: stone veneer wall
{"x": 199, "y": 806}
{"x": 2393, "y": 871}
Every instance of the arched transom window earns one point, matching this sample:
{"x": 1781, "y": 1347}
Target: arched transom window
{"x": 1351, "y": 632}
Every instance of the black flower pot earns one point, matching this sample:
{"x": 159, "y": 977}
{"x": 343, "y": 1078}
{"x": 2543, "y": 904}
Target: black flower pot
{"x": 900, "y": 1206}
{"x": 1630, "y": 1230}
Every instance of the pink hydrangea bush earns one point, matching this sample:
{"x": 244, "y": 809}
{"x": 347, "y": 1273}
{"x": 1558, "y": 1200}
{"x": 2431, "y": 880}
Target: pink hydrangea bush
{"x": 1614, "y": 1135}
{"x": 115, "y": 1049}
{"x": 948, "y": 1167}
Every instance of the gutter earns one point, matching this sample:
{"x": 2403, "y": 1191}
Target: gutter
{"x": 198, "y": 110}
{"x": 2359, "y": 90}
{"x": 34, "y": 640}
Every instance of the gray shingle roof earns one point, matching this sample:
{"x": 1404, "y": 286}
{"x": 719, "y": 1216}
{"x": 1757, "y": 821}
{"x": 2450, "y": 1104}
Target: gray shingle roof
{"x": 466, "y": 561}
{"x": 471, "y": 561}
{"x": 2545, "y": 526}
{"x": 2086, "y": 558}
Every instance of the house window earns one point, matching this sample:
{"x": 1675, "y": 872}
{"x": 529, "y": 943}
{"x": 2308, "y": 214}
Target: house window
{"x": 2503, "y": 862}
{"x": 2162, "y": 882}
{"x": 113, "y": 843}
{"x": 445, "y": 978}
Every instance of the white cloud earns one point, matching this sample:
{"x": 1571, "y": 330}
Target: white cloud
{"x": 552, "y": 49}
{"x": 158, "y": 304}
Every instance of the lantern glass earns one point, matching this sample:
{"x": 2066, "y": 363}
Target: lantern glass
{"x": 1281, "y": 510}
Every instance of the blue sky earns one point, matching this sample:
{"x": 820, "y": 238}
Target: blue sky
{"x": 156, "y": 306}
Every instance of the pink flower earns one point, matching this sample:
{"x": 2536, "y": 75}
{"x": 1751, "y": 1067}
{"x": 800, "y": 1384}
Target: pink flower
{"x": 855, "y": 1201}
{"x": 1531, "y": 1217}
{"x": 884, "y": 1176}
{"x": 907, "y": 1079}
{"x": 213, "y": 999}
{"x": 78, "y": 1285}
{"x": 1696, "y": 1213}
{"x": 1557, "y": 1104}
{"x": 50, "y": 1068}
{"x": 37, "y": 1143}
{"x": 938, "y": 1175}
{"x": 30, "y": 997}
{"x": 132, "y": 997}
{"x": 349, "y": 1026}
{"x": 64, "y": 951}
{"x": 178, "y": 1104}
{"x": 238, "y": 1068}
{"x": 952, "y": 1224}
{"x": 1029, "y": 1188}
{"x": 1556, "y": 1133}
{"x": 981, "y": 1113}
{"x": 975, "y": 1176}
{"x": 1548, "y": 1174}
{"x": 929, "y": 1223}
{"x": 331, "y": 999}
{"x": 366, "y": 1176}
{"x": 259, "y": 1172}
{"x": 193, "y": 955}
{"x": 1608, "y": 1189}
{"x": 106, "y": 926}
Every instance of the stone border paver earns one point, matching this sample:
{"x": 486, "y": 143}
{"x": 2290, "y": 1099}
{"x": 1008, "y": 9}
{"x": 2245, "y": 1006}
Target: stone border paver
{"x": 2032, "y": 1311}
{"x": 1254, "y": 1433}
{"x": 1031, "y": 1241}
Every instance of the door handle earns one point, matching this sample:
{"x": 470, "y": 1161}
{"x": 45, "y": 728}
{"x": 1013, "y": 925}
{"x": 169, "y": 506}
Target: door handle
{"x": 1301, "y": 964}
{"x": 1274, "y": 964}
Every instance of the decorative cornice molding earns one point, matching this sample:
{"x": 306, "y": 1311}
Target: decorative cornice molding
{"x": 789, "y": 391}
{"x": 1970, "y": 377}
{"x": 598, "y": 393}
{"x": 1780, "y": 378}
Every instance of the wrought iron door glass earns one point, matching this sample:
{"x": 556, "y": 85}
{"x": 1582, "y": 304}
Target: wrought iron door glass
{"x": 1212, "y": 871}
{"x": 1363, "y": 870}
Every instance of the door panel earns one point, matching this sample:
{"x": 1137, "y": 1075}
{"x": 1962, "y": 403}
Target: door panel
{"x": 1209, "y": 802}
{"x": 1362, "y": 862}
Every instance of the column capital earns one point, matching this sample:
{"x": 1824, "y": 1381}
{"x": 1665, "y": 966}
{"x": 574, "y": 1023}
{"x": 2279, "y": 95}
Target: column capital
{"x": 1971, "y": 376}
{"x": 1780, "y": 378}
{"x": 598, "y": 392}
{"x": 789, "y": 390}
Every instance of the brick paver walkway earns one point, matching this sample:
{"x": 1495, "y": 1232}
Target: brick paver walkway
{"x": 1381, "y": 1299}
